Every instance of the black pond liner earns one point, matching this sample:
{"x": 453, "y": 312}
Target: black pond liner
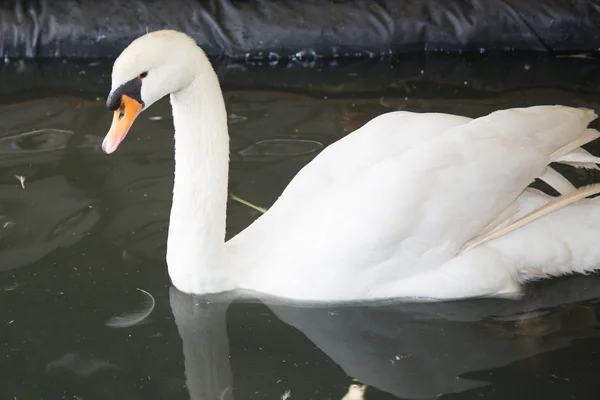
{"x": 303, "y": 30}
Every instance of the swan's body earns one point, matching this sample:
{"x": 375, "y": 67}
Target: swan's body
{"x": 384, "y": 212}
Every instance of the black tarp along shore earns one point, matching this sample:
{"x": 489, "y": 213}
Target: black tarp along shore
{"x": 304, "y": 29}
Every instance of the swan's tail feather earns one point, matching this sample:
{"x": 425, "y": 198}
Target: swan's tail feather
{"x": 571, "y": 149}
{"x": 548, "y": 208}
{"x": 580, "y": 158}
{"x": 557, "y": 181}
{"x": 583, "y": 165}
{"x": 502, "y": 218}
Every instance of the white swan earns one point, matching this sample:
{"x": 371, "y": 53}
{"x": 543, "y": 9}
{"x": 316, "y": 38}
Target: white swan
{"x": 387, "y": 211}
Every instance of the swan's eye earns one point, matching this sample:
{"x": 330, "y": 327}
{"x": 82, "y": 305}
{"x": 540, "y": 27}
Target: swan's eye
{"x": 144, "y": 74}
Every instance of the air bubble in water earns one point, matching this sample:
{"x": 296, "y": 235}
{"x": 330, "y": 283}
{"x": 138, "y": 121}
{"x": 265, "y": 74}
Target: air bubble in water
{"x": 305, "y": 55}
{"x": 273, "y": 58}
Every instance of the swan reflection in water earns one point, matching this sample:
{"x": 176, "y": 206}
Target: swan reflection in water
{"x": 409, "y": 350}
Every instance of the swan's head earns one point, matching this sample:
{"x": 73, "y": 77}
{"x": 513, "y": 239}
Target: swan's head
{"x": 151, "y": 67}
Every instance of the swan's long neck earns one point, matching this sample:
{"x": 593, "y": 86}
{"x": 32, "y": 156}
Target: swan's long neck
{"x": 195, "y": 247}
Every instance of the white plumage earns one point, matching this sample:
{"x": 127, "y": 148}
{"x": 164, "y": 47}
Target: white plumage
{"x": 384, "y": 212}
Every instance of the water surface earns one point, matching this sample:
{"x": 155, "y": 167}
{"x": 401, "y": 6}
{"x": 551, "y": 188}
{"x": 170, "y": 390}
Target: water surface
{"x": 81, "y": 233}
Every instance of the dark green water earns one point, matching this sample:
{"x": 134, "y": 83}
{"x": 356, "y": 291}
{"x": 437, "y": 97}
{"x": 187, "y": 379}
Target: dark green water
{"x": 87, "y": 230}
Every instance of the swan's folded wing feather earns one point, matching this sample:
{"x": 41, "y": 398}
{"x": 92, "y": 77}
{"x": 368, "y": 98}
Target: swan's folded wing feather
{"x": 580, "y": 158}
{"x": 571, "y": 147}
{"x": 502, "y": 219}
{"x": 557, "y": 181}
{"x": 540, "y": 212}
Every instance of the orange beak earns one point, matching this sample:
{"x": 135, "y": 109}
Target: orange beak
{"x": 122, "y": 121}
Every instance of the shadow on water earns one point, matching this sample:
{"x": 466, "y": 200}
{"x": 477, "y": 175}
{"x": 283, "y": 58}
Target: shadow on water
{"x": 81, "y": 232}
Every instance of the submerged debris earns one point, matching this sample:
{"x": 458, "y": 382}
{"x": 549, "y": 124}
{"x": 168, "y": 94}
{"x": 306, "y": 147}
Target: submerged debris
{"x": 246, "y": 203}
{"x": 133, "y": 318}
{"x": 81, "y": 364}
{"x": 583, "y": 56}
{"x": 224, "y": 392}
{"x": 21, "y": 180}
{"x": 234, "y": 118}
{"x": 7, "y": 224}
{"x": 356, "y": 391}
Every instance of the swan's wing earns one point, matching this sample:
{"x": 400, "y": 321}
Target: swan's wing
{"x": 385, "y": 136}
{"x": 411, "y": 211}
{"x": 569, "y": 155}
{"x": 448, "y": 189}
